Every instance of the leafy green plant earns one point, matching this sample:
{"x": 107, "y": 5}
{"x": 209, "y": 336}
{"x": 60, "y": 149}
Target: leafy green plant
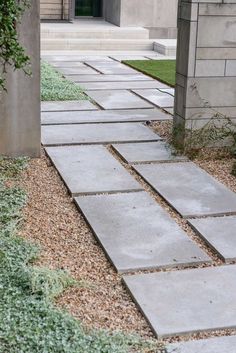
{"x": 29, "y": 321}
{"x": 54, "y": 87}
{"x": 12, "y": 53}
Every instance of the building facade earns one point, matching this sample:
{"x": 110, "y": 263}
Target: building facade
{"x": 159, "y": 16}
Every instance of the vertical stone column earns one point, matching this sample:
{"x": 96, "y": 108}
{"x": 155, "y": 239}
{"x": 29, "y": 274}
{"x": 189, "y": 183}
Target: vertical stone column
{"x": 20, "y": 105}
{"x": 206, "y": 64}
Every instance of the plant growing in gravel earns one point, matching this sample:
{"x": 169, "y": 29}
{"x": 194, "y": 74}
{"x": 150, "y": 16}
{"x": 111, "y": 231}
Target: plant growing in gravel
{"x": 29, "y": 321}
{"x": 54, "y": 87}
{"x": 12, "y": 53}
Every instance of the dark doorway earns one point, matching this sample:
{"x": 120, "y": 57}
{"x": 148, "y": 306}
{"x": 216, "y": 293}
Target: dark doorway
{"x": 88, "y": 8}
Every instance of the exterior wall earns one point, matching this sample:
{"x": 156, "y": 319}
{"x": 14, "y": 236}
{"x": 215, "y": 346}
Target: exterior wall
{"x": 206, "y": 64}
{"x": 20, "y": 105}
{"x": 54, "y": 9}
{"x": 160, "y": 16}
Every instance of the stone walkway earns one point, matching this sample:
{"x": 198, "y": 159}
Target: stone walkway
{"x": 86, "y": 141}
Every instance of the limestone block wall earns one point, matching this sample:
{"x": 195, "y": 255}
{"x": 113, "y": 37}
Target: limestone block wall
{"x": 54, "y": 9}
{"x": 206, "y": 62}
{"x": 160, "y": 16}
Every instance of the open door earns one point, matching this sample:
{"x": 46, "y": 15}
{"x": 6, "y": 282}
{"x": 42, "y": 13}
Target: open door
{"x": 88, "y": 8}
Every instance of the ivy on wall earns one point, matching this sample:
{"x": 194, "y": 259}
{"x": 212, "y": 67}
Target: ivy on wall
{"x": 11, "y": 51}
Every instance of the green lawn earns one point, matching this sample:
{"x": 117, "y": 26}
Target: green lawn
{"x": 54, "y": 87}
{"x": 162, "y": 70}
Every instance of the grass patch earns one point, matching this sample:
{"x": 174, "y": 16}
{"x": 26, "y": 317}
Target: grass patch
{"x": 162, "y": 70}
{"x": 29, "y": 321}
{"x": 54, "y": 87}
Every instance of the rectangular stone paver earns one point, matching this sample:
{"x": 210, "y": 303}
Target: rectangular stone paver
{"x": 81, "y": 58}
{"x": 121, "y": 85}
{"x": 137, "y": 233}
{"x": 147, "y": 152}
{"x": 128, "y": 57}
{"x": 110, "y": 78}
{"x": 171, "y": 91}
{"x": 134, "y": 115}
{"x": 111, "y": 68}
{"x": 154, "y": 96}
{"x": 119, "y": 99}
{"x": 59, "y": 106}
{"x": 186, "y": 301}
{"x": 91, "y": 169}
{"x": 219, "y": 233}
{"x": 86, "y": 70}
{"x": 69, "y": 64}
{"x": 96, "y": 133}
{"x": 225, "y": 344}
{"x": 189, "y": 189}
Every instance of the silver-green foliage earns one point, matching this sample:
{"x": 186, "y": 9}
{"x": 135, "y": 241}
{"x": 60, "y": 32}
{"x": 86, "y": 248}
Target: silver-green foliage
{"x": 54, "y": 87}
{"x": 29, "y": 321}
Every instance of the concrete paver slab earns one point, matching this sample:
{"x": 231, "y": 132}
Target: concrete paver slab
{"x": 128, "y": 57}
{"x": 219, "y": 233}
{"x": 147, "y": 152}
{"x": 171, "y": 91}
{"x": 224, "y": 344}
{"x": 91, "y": 169}
{"x": 186, "y": 301}
{"x": 101, "y": 116}
{"x": 119, "y": 99}
{"x": 189, "y": 189}
{"x": 60, "y": 106}
{"x": 111, "y": 68}
{"x": 121, "y": 85}
{"x": 110, "y": 78}
{"x": 82, "y": 58}
{"x": 70, "y": 71}
{"x": 68, "y": 64}
{"x": 53, "y": 135}
{"x": 161, "y": 99}
{"x": 132, "y": 243}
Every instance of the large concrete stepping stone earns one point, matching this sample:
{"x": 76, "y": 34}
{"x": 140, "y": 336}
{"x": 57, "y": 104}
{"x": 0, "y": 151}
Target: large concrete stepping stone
{"x": 128, "y": 57}
{"x": 188, "y": 189}
{"x": 102, "y": 116}
{"x": 70, "y": 71}
{"x": 119, "y": 99}
{"x": 186, "y": 301}
{"x": 137, "y": 233}
{"x": 224, "y": 344}
{"x": 161, "y": 99}
{"x": 121, "y": 85}
{"x": 81, "y": 58}
{"x": 59, "y": 106}
{"x": 219, "y": 233}
{"x": 110, "y": 78}
{"x": 111, "y": 68}
{"x": 68, "y": 64}
{"x": 53, "y": 135}
{"x": 147, "y": 152}
{"x": 91, "y": 169}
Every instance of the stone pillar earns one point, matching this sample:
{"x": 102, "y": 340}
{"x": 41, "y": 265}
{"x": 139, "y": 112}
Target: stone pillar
{"x": 206, "y": 64}
{"x": 20, "y": 105}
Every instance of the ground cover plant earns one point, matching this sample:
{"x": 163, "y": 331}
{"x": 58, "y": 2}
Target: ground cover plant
{"x": 29, "y": 321}
{"x": 162, "y": 70}
{"x": 54, "y": 87}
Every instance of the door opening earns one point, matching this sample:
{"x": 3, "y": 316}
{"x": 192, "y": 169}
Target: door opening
{"x": 88, "y": 8}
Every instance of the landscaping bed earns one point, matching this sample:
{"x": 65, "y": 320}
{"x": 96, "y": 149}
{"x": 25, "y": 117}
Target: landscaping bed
{"x": 162, "y": 70}
{"x": 55, "y": 87}
{"x": 34, "y": 259}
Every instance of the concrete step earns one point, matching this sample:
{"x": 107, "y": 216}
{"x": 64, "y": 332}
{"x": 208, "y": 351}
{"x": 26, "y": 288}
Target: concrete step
{"x": 165, "y": 46}
{"x": 96, "y": 33}
{"x": 95, "y": 44}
